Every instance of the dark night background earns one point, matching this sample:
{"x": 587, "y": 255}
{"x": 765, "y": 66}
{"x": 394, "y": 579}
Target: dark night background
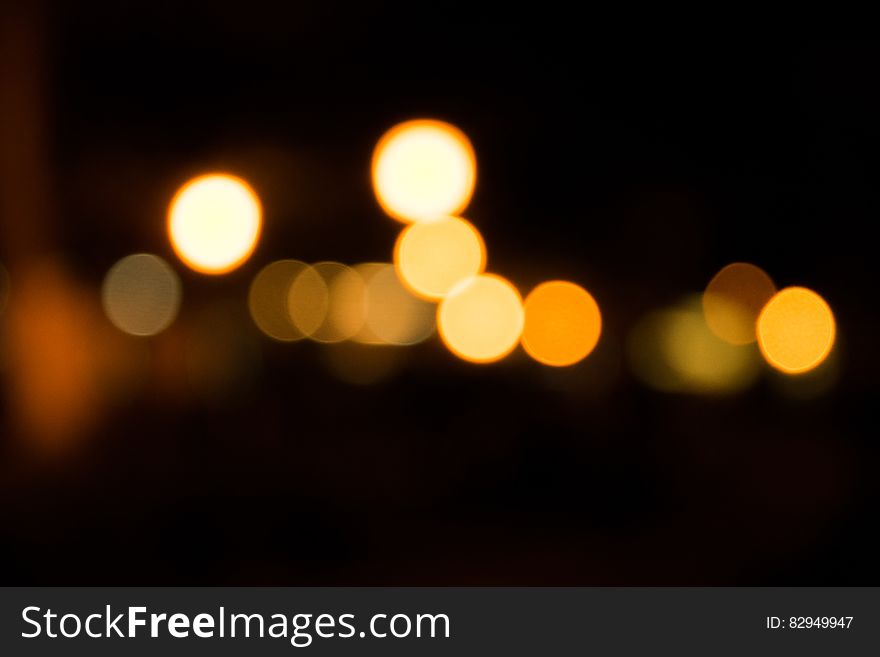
{"x": 638, "y": 169}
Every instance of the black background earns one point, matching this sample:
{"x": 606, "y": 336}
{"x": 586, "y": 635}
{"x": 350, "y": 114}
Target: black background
{"x": 637, "y": 169}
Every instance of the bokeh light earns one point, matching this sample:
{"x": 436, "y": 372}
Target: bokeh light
{"x": 347, "y": 308}
{"x": 796, "y": 330}
{"x": 268, "y": 299}
{"x": 433, "y": 257}
{"x": 733, "y": 300}
{"x": 366, "y": 271}
{"x": 673, "y": 350}
{"x": 308, "y": 300}
{"x": 482, "y": 319}
{"x": 61, "y": 353}
{"x": 394, "y": 316}
{"x": 342, "y": 312}
{"x": 214, "y": 222}
{"x": 141, "y": 294}
{"x": 562, "y": 323}
{"x": 423, "y": 170}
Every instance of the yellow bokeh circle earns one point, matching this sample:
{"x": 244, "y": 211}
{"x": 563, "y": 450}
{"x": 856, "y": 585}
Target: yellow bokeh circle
{"x": 674, "y": 350}
{"x": 432, "y": 258}
{"x": 796, "y": 330}
{"x": 141, "y": 294}
{"x": 481, "y": 320}
{"x": 394, "y": 315}
{"x": 423, "y": 170}
{"x": 214, "y": 222}
{"x": 268, "y": 299}
{"x": 562, "y": 323}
